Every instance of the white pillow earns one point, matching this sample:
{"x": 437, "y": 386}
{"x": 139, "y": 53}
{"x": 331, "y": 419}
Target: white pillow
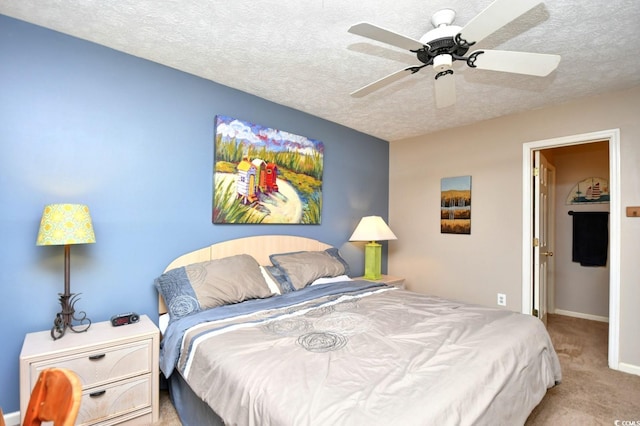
{"x": 163, "y": 322}
{"x": 326, "y": 280}
{"x": 273, "y": 286}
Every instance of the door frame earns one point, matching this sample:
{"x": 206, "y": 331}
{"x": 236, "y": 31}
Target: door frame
{"x": 528, "y": 148}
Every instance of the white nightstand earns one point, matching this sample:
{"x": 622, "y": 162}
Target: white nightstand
{"x": 387, "y": 279}
{"x": 118, "y": 368}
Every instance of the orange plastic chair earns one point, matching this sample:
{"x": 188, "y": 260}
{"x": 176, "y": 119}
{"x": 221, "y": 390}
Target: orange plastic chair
{"x": 55, "y": 398}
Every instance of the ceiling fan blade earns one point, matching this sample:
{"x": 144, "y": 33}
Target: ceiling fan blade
{"x": 495, "y": 16}
{"x": 383, "y": 35}
{"x": 379, "y": 84}
{"x": 538, "y": 64}
{"x": 445, "y": 88}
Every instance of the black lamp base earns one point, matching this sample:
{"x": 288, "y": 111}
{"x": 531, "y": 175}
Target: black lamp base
{"x": 66, "y": 317}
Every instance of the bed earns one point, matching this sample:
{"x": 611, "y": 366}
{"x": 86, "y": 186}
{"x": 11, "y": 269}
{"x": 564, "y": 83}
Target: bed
{"x": 270, "y": 330}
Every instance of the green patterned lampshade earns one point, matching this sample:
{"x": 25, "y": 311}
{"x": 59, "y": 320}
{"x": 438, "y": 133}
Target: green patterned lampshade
{"x": 372, "y": 229}
{"x": 65, "y": 224}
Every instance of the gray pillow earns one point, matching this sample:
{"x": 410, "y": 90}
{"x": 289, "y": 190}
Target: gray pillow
{"x": 334, "y": 252}
{"x": 205, "y": 285}
{"x": 228, "y": 280}
{"x": 304, "y": 267}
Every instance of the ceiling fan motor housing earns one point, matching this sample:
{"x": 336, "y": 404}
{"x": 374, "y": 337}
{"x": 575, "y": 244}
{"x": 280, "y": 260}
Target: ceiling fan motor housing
{"x": 439, "y": 41}
{"x": 441, "y": 46}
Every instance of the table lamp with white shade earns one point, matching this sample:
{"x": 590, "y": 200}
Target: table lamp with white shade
{"x": 372, "y": 229}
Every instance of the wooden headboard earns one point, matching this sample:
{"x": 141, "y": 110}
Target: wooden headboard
{"x": 259, "y": 247}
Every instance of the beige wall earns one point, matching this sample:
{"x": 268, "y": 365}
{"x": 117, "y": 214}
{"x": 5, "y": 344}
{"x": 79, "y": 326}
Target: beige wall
{"x": 475, "y": 267}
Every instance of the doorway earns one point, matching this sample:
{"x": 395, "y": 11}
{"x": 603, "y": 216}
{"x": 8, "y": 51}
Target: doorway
{"x": 529, "y": 149}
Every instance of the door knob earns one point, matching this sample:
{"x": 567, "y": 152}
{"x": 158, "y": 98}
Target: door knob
{"x": 547, "y": 253}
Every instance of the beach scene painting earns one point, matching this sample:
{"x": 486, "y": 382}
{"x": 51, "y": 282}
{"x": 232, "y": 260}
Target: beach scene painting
{"x": 455, "y": 205}
{"x": 264, "y": 175}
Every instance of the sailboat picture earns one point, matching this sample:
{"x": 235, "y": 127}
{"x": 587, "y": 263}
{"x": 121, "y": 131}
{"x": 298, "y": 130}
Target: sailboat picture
{"x": 591, "y": 190}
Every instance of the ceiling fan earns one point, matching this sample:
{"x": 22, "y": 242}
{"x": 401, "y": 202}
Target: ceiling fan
{"x": 447, "y": 43}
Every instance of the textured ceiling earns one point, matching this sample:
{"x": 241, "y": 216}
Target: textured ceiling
{"x": 299, "y": 54}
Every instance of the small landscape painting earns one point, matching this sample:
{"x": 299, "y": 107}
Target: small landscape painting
{"x": 265, "y": 176}
{"x": 455, "y": 205}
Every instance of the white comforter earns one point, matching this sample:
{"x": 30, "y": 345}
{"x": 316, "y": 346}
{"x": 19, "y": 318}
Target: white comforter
{"x": 375, "y": 356}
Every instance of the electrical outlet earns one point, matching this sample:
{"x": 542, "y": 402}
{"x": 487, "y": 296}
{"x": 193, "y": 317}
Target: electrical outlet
{"x": 502, "y": 299}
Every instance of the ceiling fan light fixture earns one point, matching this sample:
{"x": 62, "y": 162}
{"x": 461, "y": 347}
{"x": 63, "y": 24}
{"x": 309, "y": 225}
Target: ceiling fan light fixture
{"x": 442, "y": 62}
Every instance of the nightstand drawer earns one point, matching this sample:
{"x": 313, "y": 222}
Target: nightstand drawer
{"x": 114, "y": 400}
{"x": 103, "y": 365}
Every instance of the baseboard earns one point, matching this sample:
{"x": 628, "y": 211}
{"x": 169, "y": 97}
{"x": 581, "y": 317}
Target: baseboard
{"x": 581, "y": 315}
{"x": 12, "y": 419}
{"x": 629, "y": 368}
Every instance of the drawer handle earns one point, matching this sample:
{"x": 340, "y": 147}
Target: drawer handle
{"x": 97, "y": 357}
{"x": 97, "y": 394}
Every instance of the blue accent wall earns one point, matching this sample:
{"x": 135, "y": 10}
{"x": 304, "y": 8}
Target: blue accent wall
{"x": 82, "y": 123}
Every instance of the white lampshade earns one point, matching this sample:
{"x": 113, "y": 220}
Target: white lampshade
{"x": 372, "y": 228}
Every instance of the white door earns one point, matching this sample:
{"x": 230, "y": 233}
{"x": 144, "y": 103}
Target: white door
{"x": 542, "y": 233}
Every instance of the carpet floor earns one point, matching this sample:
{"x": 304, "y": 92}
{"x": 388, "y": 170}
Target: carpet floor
{"x": 590, "y": 392}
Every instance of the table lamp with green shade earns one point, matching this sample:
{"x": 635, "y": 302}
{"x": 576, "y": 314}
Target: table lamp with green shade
{"x": 372, "y": 229}
{"x": 64, "y": 225}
